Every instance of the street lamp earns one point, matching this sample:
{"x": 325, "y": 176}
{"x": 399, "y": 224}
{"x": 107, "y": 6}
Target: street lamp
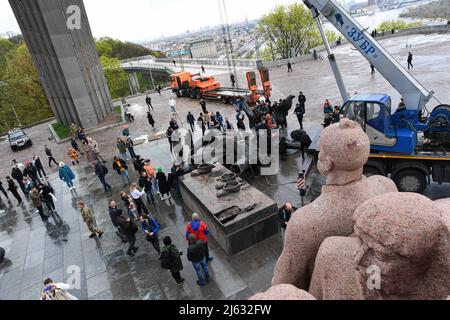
{"x": 180, "y": 53}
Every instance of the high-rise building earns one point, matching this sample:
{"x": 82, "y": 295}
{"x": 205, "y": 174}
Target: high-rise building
{"x": 203, "y": 48}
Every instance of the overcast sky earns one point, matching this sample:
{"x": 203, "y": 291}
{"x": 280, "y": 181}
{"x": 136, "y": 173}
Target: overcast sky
{"x": 135, "y": 20}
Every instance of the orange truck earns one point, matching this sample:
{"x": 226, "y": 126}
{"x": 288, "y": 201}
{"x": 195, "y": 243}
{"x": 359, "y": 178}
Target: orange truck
{"x": 196, "y": 86}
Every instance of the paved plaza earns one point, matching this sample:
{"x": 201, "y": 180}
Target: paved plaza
{"x": 37, "y": 250}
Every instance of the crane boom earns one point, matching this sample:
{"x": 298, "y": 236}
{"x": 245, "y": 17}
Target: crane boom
{"x": 413, "y": 93}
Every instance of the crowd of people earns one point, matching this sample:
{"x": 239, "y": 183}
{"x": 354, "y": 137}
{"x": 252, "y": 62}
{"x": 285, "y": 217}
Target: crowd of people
{"x": 32, "y": 180}
{"x": 152, "y": 185}
{"x": 332, "y": 114}
{"x": 263, "y": 111}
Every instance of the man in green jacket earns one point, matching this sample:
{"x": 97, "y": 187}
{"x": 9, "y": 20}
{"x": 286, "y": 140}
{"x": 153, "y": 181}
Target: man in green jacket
{"x": 122, "y": 147}
{"x": 36, "y": 198}
{"x": 88, "y": 218}
{"x": 176, "y": 264}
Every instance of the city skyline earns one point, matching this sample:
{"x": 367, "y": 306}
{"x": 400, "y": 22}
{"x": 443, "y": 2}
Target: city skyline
{"x": 143, "y": 20}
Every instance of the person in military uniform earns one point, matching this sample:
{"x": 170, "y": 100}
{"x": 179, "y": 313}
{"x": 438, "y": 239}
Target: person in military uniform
{"x": 88, "y": 218}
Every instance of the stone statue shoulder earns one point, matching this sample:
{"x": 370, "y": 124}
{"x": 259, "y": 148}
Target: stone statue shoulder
{"x": 283, "y": 292}
{"x": 444, "y": 207}
{"x": 335, "y": 275}
{"x": 381, "y": 185}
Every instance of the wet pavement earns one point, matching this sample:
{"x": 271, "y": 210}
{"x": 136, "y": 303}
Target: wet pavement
{"x": 36, "y": 250}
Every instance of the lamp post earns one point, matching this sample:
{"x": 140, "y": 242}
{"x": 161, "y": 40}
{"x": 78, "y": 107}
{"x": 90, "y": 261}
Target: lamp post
{"x": 2, "y": 83}
{"x": 15, "y": 113}
{"x": 181, "y": 52}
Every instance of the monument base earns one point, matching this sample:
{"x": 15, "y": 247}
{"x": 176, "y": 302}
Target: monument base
{"x": 236, "y": 221}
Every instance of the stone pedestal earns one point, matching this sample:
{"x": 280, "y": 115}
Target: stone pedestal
{"x": 234, "y": 228}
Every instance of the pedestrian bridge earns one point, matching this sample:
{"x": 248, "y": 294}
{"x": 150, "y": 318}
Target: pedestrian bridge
{"x": 159, "y": 70}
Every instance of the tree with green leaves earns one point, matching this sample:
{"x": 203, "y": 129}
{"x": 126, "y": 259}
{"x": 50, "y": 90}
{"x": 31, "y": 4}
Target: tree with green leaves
{"x": 21, "y": 88}
{"x": 288, "y": 28}
{"x": 123, "y": 50}
{"x": 6, "y": 47}
{"x": 397, "y": 25}
{"x": 115, "y": 77}
{"x": 104, "y": 48}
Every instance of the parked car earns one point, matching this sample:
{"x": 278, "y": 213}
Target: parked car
{"x": 18, "y": 139}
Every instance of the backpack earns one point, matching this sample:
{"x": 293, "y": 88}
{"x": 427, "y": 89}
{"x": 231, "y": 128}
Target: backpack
{"x": 166, "y": 259}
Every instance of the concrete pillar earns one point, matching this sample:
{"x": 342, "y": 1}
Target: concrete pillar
{"x": 134, "y": 83}
{"x": 129, "y": 84}
{"x": 66, "y": 59}
{"x": 150, "y": 78}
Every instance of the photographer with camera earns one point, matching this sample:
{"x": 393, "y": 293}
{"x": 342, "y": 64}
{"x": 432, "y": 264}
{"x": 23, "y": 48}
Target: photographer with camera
{"x": 284, "y": 215}
{"x": 56, "y": 291}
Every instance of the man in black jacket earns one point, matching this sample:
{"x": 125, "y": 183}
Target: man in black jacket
{"x": 129, "y": 229}
{"x": 177, "y": 171}
{"x": 191, "y": 120}
{"x": 300, "y": 109}
{"x": 146, "y": 183}
{"x": 138, "y": 164}
{"x": 196, "y": 253}
{"x": 37, "y": 163}
{"x": 74, "y": 145}
{"x": 203, "y": 105}
{"x": 174, "y": 124}
{"x": 101, "y": 171}
{"x": 17, "y": 175}
{"x": 31, "y": 172}
{"x": 114, "y": 212}
{"x": 301, "y": 98}
{"x": 49, "y": 154}
{"x": 284, "y": 215}
{"x": 410, "y": 58}
{"x": 148, "y": 101}
{"x": 169, "y": 133}
{"x": 13, "y": 189}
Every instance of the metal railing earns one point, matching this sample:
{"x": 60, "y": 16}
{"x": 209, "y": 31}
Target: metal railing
{"x": 206, "y": 62}
{"x": 216, "y": 62}
{"x": 146, "y": 66}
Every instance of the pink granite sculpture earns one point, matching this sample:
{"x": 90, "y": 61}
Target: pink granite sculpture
{"x": 283, "y": 292}
{"x": 344, "y": 150}
{"x": 401, "y": 251}
{"x": 444, "y": 205}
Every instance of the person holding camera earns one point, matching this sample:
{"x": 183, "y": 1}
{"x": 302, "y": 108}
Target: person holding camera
{"x": 150, "y": 227}
{"x": 284, "y": 215}
{"x": 56, "y": 291}
{"x": 129, "y": 229}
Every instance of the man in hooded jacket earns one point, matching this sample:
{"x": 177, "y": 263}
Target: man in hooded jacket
{"x": 200, "y": 230}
